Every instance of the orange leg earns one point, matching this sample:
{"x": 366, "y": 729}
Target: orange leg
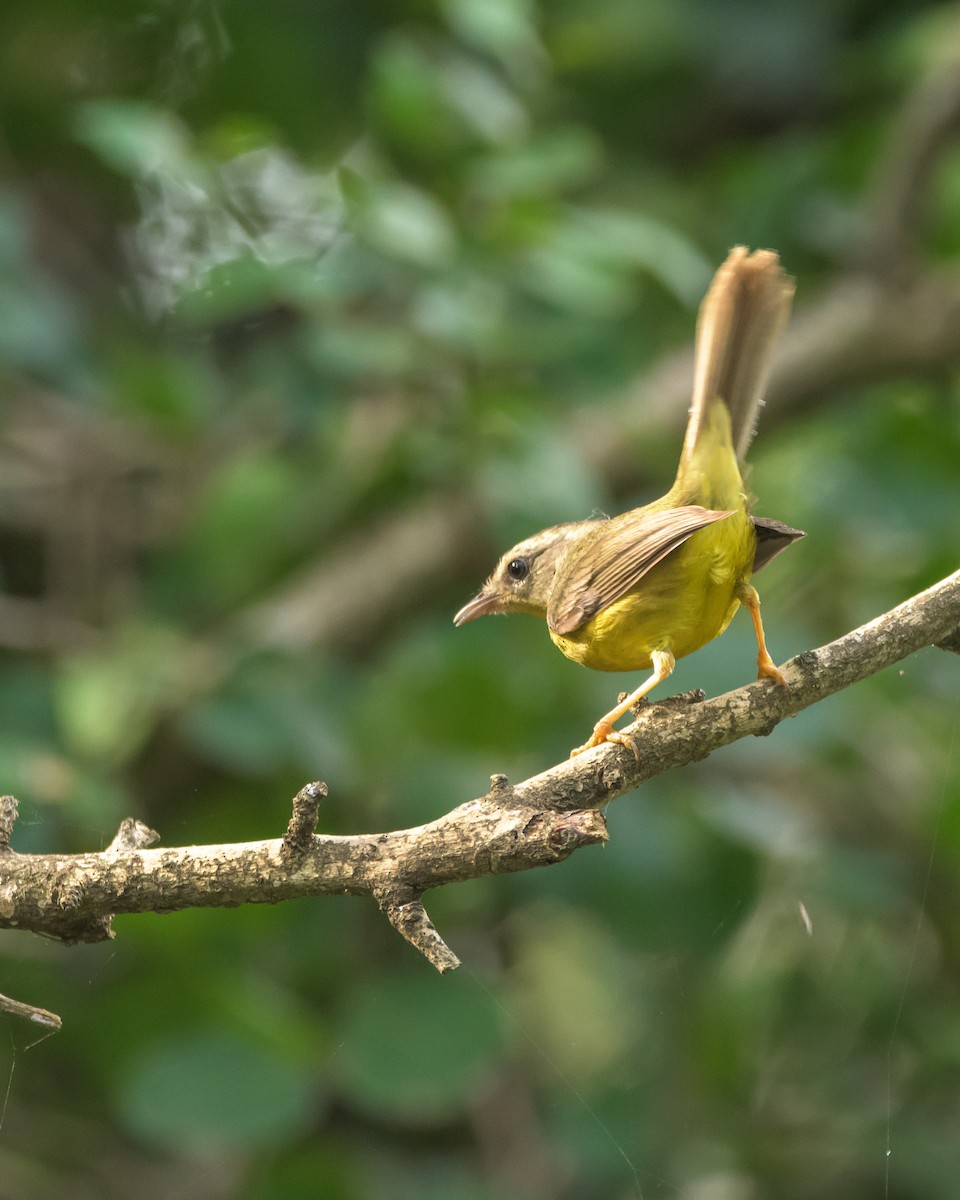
{"x": 603, "y": 731}
{"x": 747, "y": 595}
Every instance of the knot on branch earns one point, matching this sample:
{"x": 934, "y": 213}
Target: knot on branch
{"x": 8, "y": 815}
{"x": 553, "y": 836}
{"x": 67, "y": 891}
{"x": 501, "y": 790}
{"x": 68, "y": 896}
{"x": 583, "y": 827}
{"x": 610, "y": 777}
{"x": 806, "y": 662}
{"x": 303, "y": 823}
{"x": 132, "y": 835}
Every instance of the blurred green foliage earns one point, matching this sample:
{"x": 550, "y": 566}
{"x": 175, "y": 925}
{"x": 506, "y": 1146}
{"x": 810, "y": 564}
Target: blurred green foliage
{"x": 273, "y": 276}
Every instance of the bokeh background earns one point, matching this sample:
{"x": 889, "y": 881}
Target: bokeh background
{"x": 306, "y": 312}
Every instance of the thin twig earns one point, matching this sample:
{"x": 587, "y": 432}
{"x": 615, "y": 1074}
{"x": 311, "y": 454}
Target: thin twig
{"x": 30, "y": 1012}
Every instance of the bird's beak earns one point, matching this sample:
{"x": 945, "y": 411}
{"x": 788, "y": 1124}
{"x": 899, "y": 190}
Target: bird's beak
{"x": 479, "y": 606}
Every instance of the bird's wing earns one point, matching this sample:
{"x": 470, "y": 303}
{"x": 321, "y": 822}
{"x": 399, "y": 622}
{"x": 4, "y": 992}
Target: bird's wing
{"x": 621, "y": 560}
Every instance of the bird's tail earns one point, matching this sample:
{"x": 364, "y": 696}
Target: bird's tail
{"x": 740, "y": 318}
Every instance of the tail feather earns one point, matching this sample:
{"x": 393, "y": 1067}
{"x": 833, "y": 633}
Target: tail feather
{"x": 741, "y": 316}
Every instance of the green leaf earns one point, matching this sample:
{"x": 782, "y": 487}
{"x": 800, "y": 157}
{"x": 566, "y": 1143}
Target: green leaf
{"x": 108, "y": 702}
{"x": 354, "y": 189}
{"x": 505, "y": 28}
{"x": 135, "y": 138}
{"x": 205, "y": 1091}
{"x": 561, "y": 159}
{"x": 405, "y": 222}
{"x": 417, "y": 1048}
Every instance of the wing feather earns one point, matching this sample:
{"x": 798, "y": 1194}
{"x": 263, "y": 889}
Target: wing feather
{"x": 628, "y": 553}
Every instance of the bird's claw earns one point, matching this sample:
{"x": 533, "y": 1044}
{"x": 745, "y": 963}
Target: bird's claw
{"x": 768, "y": 669}
{"x": 603, "y": 731}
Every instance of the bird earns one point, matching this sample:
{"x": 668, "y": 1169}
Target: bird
{"x": 640, "y": 590}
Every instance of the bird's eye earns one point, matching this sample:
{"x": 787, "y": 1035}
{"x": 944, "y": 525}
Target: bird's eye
{"x": 518, "y": 568}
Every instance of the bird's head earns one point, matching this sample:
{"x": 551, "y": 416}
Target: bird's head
{"x": 523, "y": 578}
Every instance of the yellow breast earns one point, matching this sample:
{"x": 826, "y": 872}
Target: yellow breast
{"x": 679, "y": 605}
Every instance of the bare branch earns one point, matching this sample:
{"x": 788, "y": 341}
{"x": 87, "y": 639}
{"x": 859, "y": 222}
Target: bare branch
{"x": 73, "y": 897}
{"x": 535, "y": 823}
{"x": 539, "y": 822}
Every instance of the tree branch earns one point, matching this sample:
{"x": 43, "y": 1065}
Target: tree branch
{"x": 536, "y": 823}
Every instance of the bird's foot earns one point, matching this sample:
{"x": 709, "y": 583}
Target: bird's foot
{"x": 767, "y": 668}
{"x": 603, "y": 731}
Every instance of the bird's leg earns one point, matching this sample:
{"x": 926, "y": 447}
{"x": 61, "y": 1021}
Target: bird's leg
{"x": 663, "y": 664}
{"x": 747, "y": 595}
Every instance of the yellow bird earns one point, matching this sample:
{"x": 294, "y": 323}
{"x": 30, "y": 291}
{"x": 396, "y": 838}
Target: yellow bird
{"x": 647, "y": 587}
